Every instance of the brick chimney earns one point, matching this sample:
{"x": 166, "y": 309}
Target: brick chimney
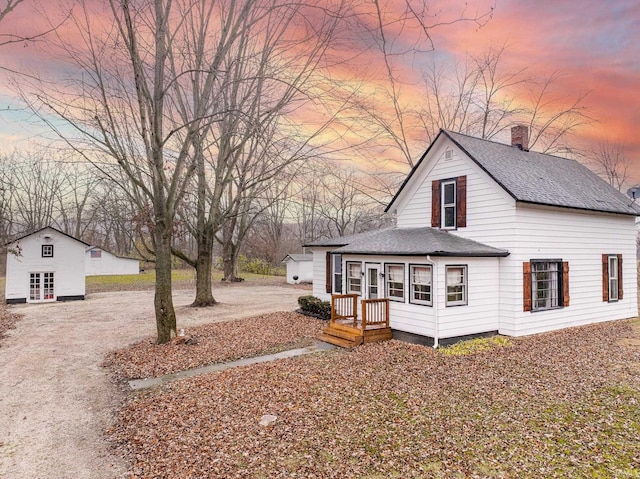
{"x": 520, "y": 137}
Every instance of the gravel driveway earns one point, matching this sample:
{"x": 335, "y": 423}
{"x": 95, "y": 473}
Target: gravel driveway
{"x": 55, "y": 399}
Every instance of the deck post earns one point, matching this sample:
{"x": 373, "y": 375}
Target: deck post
{"x": 364, "y": 304}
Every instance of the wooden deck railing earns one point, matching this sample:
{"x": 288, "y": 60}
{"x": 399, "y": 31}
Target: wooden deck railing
{"x": 344, "y": 306}
{"x": 375, "y": 313}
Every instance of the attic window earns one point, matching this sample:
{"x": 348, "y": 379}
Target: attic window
{"x": 449, "y": 203}
{"x": 47, "y": 251}
{"x": 448, "y": 154}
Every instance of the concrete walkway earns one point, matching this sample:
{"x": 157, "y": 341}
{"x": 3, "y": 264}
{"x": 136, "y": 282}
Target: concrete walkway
{"x": 167, "y": 378}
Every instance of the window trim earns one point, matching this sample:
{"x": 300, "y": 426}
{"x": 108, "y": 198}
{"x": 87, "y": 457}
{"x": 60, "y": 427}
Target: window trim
{"x": 47, "y": 246}
{"x": 444, "y": 206}
{"x": 559, "y": 280}
{"x": 348, "y": 278}
{"x": 386, "y": 283}
{"x": 412, "y": 299}
{"x": 465, "y": 285}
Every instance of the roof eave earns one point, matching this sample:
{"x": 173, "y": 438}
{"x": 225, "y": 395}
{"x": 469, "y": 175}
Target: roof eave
{"x": 592, "y": 210}
{"x": 480, "y": 165}
{"x": 42, "y": 229}
{"x": 411, "y": 173}
{"x": 460, "y": 254}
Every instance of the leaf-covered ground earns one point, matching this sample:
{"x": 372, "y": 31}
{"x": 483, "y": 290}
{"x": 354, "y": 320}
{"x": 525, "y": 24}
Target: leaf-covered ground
{"x": 7, "y": 322}
{"x": 562, "y": 404}
{"x": 216, "y": 342}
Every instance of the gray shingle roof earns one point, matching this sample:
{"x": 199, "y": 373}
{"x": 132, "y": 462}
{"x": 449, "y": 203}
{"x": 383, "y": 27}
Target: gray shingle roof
{"x": 415, "y": 242}
{"x": 533, "y": 177}
{"x": 536, "y": 178}
{"x": 343, "y": 240}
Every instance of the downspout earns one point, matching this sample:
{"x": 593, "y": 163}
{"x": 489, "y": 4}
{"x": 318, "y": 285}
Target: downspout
{"x": 434, "y": 300}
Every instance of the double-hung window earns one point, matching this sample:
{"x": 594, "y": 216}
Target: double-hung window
{"x": 420, "y": 278}
{"x": 337, "y": 273}
{"x": 613, "y": 278}
{"x": 546, "y": 285}
{"x": 394, "y": 280}
{"x": 354, "y": 277}
{"x": 449, "y": 204}
{"x": 456, "y": 278}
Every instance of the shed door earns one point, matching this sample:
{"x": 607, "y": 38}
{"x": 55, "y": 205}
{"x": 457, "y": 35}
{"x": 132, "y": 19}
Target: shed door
{"x": 41, "y": 287}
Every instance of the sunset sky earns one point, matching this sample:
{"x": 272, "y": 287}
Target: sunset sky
{"x": 593, "y": 45}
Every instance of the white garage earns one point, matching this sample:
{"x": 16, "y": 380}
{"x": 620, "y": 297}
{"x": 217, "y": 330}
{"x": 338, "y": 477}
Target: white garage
{"x": 46, "y": 265}
{"x": 101, "y": 262}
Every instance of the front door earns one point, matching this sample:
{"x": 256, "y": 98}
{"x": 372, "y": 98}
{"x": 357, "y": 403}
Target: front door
{"x": 373, "y": 281}
{"x": 41, "y": 287}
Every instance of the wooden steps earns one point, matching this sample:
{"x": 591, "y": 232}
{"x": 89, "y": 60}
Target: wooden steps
{"x": 350, "y": 339}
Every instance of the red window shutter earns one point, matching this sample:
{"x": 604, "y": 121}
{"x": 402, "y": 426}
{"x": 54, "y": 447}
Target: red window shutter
{"x": 565, "y": 283}
{"x": 620, "y": 291}
{"x": 605, "y": 277}
{"x": 526, "y": 286}
{"x": 435, "y": 204}
{"x": 328, "y": 272}
{"x": 461, "y": 193}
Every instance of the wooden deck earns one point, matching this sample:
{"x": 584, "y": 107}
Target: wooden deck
{"x": 347, "y": 330}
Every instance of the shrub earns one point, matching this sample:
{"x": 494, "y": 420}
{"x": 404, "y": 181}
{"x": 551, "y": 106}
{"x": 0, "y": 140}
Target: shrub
{"x": 259, "y": 266}
{"x": 473, "y": 346}
{"x": 315, "y": 306}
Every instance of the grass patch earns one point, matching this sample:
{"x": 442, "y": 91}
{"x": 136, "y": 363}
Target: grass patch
{"x": 181, "y": 279}
{"x": 473, "y": 346}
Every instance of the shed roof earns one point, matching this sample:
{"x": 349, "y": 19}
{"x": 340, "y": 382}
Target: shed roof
{"x": 42, "y": 229}
{"x": 298, "y": 257}
{"x": 413, "y": 242}
{"x": 537, "y": 178}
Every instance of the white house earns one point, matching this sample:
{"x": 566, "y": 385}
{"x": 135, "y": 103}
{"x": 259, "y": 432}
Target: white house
{"x": 46, "y": 265}
{"x": 299, "y": 268}
{"x": 491, "y": 238}
{"x": 99, "y": 261}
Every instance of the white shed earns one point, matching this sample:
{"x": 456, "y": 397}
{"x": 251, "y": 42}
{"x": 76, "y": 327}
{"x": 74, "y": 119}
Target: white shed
{"x": 299, "y": 268}
{"x": 101, "y": 262}
{"x": 46, "y": 265}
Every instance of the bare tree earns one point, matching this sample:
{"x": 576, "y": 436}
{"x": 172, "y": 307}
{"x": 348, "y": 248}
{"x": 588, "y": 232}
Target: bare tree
{"x": 268, "y": 73}
{"x": 122, "y": 106}
{"x": 610, "y": 162}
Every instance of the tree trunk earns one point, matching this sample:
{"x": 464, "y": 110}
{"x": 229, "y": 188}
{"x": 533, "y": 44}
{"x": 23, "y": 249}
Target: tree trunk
{"x": 204, "y": 296}
{"x": 230, "y": 262}
{"x": 165, "y": 314}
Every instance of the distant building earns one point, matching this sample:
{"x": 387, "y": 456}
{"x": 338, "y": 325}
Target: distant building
{"x": 99, "y": 262}
{"x": 46, "y": 265}
{"x": 299, "y": 268}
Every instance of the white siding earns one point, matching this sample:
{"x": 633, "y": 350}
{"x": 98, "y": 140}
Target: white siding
{"x": 579, "y": 238}
{"x": 479, "y": 315}
{"x": 108, "y": 264}
{"x": 490, "y": 210}
{"x": 67, "y": 264}
{"x": 319, "y": 277}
